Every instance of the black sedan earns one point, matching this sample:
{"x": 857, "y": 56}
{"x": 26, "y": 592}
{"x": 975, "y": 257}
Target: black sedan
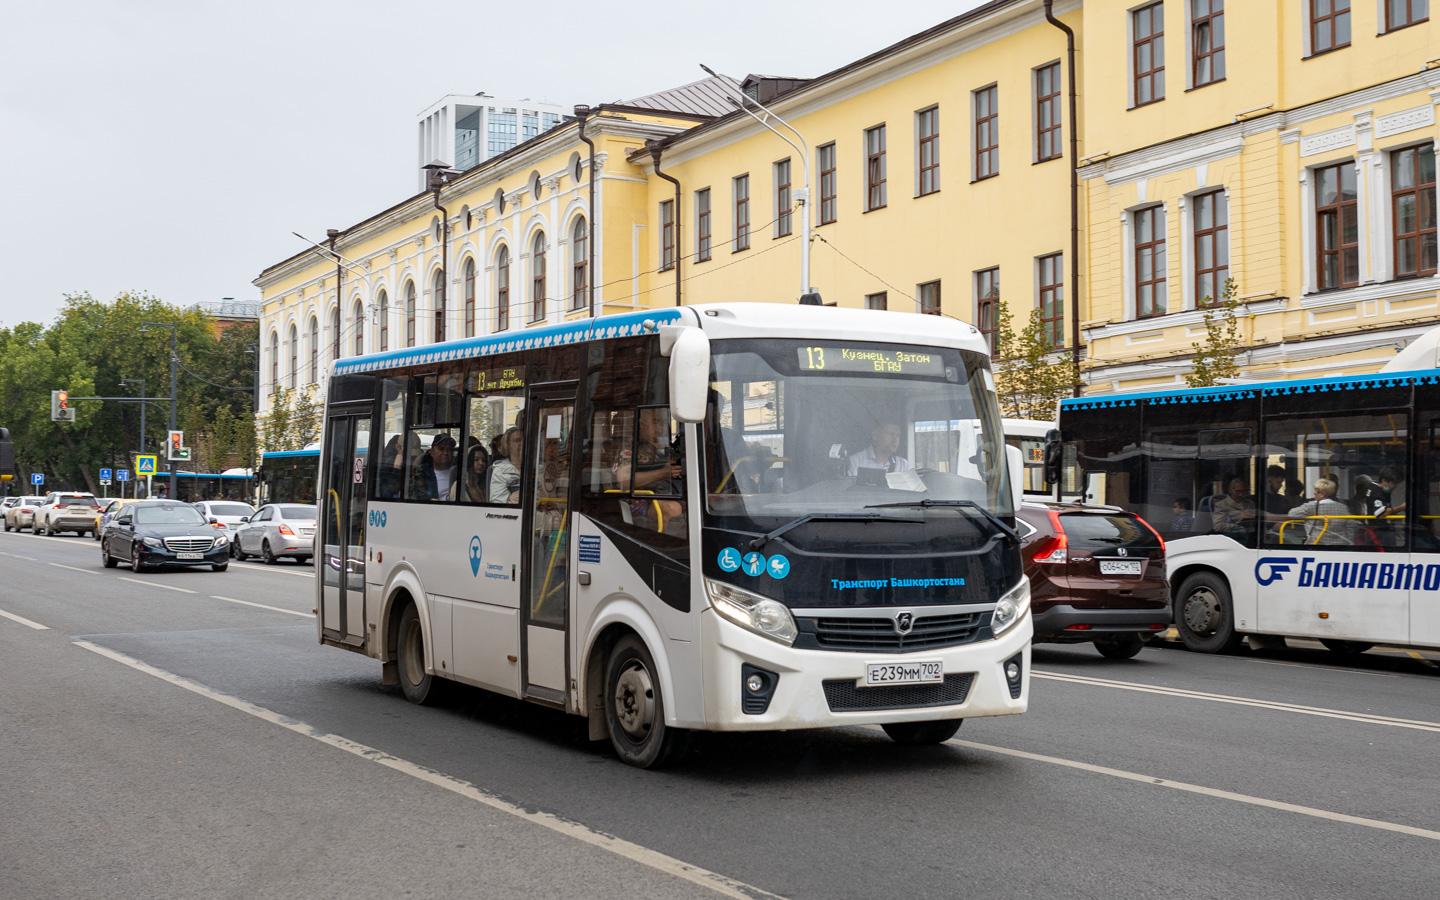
{"x": 154, "y": 533}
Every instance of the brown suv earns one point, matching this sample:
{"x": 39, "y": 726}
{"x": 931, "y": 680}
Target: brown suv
{"x": 1097, "y": 575}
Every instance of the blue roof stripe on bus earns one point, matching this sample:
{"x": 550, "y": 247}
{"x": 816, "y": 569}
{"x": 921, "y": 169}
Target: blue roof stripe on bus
{"x": 621, "y": 325}
{"x": 1249, "y": 392}
{"x": 282, "y": 454}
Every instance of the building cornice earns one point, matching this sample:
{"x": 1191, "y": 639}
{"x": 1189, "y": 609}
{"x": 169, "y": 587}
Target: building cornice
{"x": 1177, "y": 319}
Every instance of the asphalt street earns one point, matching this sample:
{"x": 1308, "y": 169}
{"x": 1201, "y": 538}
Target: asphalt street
{"x": 182, "y": 734}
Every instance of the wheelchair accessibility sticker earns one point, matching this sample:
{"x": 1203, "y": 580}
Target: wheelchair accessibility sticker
{"x": 753, "y": 563}
{"x": 729, "y": 559}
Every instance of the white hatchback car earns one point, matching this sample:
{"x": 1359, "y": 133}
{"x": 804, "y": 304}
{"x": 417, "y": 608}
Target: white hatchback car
{"x": 229, "y": 513}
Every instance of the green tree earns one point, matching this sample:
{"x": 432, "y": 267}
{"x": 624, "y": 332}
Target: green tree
{"x": 1215, "y": 357}
{"x": 1030, "y": 376}
{"x": 293, "y": 421}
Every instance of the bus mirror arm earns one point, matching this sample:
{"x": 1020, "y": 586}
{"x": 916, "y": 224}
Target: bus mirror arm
{"x": 1054, "y": 456}
{"x": 689, "y": 374}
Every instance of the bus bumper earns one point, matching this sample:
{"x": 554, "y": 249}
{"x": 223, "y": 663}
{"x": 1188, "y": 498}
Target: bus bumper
{"x": 824, "y": 689}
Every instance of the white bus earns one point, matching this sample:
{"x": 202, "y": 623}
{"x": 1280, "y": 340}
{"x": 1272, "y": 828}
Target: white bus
{"x": 730, "y": 517}
{"x": 1306, "y": 509}
{"x": 1028, "y": 436}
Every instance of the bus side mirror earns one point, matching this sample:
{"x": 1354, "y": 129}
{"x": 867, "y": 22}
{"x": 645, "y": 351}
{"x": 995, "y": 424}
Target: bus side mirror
{"x": 1054, "y": 456}
{"x": 1015, "y": 467}
{"x": 689, "y": 374}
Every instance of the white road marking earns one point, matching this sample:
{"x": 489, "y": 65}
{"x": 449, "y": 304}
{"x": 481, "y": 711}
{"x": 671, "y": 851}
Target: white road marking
{"x": 24, "y": 621}
{"x": 18, "y": 556}
{"x": 257, "y": 567}
{"x": 76, "y": 569}
{"x": 607, "y": 842}
{"x": 1205, "y": 791}
{"x": 263, "y": 606}
{"x": 1183, "y": 694}
{"x": 153, "y": 584}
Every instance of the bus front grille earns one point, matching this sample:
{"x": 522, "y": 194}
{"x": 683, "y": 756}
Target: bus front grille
{"x": 879, "y": 635}
{"x": 844, "y": 696}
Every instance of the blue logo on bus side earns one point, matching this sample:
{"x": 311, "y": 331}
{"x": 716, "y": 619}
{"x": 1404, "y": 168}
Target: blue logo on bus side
{"x": 377, "y": 518}
{"x": 729, "y": 559}
{"x": 475, "y": 551}
{"x": 1277, "y": 566}
{"x": 1349, "y": 573}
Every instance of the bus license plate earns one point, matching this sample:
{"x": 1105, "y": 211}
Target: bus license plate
{"x": 927, "y": 671}
{"x": 1119, "y": 567}
{"x": 189, "y": 555}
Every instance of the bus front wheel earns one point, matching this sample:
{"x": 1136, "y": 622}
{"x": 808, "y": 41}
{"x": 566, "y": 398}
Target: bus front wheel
{"x": 1205, "y": 615}
{"x": 635, "y": 709}
{"x": 418, "y": 685}
{"x": 921, "y": 734}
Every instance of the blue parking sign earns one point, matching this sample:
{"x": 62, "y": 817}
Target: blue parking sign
{"x": 37, "y": 478}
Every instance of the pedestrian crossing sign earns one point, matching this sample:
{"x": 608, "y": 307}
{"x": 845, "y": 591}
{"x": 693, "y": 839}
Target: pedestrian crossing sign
{"x": 145, "y": 465}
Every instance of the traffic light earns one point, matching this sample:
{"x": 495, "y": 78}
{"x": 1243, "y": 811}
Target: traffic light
{"x": 176, "y": 444}
{"x": 60, "y": 409}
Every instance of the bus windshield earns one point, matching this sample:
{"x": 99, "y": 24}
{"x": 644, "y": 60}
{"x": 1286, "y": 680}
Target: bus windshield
{"x": 830, "y": 428}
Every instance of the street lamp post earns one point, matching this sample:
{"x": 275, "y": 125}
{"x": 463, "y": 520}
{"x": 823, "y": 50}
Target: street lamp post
{"x": 174, "y": 376}
{"x": 254, "y": 418}
{"x": 141, "y": 382}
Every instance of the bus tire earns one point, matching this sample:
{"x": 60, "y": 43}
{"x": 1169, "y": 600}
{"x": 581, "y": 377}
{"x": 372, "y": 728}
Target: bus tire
{"x": 1124, "y": 647}
{"x": 1205, "y": 615}
{"x": 418, "y": 685}
{"x": 923, "y": 734}
{"x": 635, "y": 709}
{"x": 1346, "y": 648}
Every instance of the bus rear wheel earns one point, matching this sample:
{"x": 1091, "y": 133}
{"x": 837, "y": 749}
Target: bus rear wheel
{"x": 1205, "y": 615}
{"x": 418, "y": 685}
{"x": 922, "y": 734}
{"x": 635, "y": 709}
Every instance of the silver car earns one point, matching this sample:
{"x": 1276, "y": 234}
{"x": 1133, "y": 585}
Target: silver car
{"x": 276, "y": 530}
{"x": 229, "y": 513}
{"x": 66, "y": 511}
{"x": 21, "y": 514}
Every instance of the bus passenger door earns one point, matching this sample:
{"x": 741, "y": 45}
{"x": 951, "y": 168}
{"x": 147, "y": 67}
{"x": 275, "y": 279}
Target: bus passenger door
{"x": 546, "y": 587}
{"x": 342, "y": 528}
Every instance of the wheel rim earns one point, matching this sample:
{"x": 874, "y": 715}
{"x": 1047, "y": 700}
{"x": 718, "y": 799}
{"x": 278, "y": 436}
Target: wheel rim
{"x": 1202, "y": 611}
{"x": 635, "y": 700}
{"x": 412, "y": 648}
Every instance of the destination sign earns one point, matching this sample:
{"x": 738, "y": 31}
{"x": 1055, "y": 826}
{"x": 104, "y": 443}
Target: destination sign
{"x": 502, "y": 379}
{"x": 842, "y": 359}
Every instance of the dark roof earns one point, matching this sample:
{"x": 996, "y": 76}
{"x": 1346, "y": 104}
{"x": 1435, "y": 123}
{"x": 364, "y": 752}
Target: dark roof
{"x": 707, "y": 97}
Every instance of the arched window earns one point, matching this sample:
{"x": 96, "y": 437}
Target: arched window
{"x": 274, "y": 361}
{"x": 502, "y": 289}
{"x": 294, "y": 356}
{"x": 335, "y": 333}
{"x": 537, "y": 277}
{"x": 359, "y": 328}
{"x": 580, "y": 264}
{"x": 409, "y": 313}
{"x": 469, "y": 292}
{"x": 384, "y": 302}
{"x": 314, "y": 350}
{"x": 437, "y": 292}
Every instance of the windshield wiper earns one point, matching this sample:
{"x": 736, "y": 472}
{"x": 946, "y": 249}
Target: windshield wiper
{"x": 764, "y": 539}
{"x": 970, "y": 504}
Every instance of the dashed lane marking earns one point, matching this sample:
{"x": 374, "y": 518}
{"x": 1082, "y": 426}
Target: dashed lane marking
{"x": 76, "y": 569}
{"x": 263, "y": 606}
{"x": 156, "y": 584}
{"x": 257, "y": 567}
{"x": 609, "y": 843}
{"x": 24, "y": 621}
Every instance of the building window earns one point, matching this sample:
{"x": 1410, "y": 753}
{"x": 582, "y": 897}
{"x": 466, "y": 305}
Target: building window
{"x": 1150, "y": 264}
{"x": 314, "y": 350}
{"x": 1212, "y": 247}
{"x": 537, "y": 277}
{"x": 742, "y": 213}
{"x": 929, "y": 294}
{"x": 877, "y": 301}
{"x": 437, "y": 293}
{"x": 1337, "y": 227}
{"x": 1207, "y": 41}
{"x": 702, "y": 225}
{"x": 1148, "y": 53}
{"x": 1051, "y": 273}
{"x": 502, "y": 288}
{"x": 987, "y": 132}
{"x": 927, "y": 126}
{"x": 1329, "y": 25}
{"x": 468, "y": 292}
{"x": 359, "y": 320}
{"x": 274, "y": 362}
{"x": 782, "y": 198}
{"x": 294, "y": 357}
{"x": 1399, "y": 13}
{"x": 335, "y": 333}
{"x": 580, "y": 264}
{"x": 875, "y": 167}
{"x": 1412, "y": 204}
{"x": 826, "y": 156}
{"x": 667, "y": 235}
{"x": 384, "y": 303}
{"x": 987, "y": 305}
{"x": 1047, "y": 113}
{"x": 409, "y": 313}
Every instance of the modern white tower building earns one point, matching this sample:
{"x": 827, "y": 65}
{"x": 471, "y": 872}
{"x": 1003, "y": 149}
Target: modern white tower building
{"x": 464, "y": 130}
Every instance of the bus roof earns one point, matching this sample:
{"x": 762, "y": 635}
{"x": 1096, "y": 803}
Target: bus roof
{"x": 1251, "y": 391}
{"x": 282, "y": 454}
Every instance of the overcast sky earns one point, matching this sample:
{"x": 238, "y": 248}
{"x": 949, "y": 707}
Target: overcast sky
{"x": 172, "y": 147}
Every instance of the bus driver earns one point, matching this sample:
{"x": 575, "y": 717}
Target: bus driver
{"x": 884, "y": 441}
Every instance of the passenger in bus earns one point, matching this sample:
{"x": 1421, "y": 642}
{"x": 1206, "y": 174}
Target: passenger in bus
{"x": 1326, "y": 519}
{"x": 392, "y": 471}
{"x": 1184, "y": 519}
{"x": 654, "y": 468}
{"x": 437, "y": 474}
{"x": 1276, "y": 502}
{"x": 505, "y": 472}
{"x": 881, "y": 454}
{"x": 477, "y": 468}
{"x": 1235, "y": 512}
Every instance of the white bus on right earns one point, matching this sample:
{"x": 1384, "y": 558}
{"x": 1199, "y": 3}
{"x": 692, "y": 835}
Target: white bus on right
{"x": 1305, "y": 509}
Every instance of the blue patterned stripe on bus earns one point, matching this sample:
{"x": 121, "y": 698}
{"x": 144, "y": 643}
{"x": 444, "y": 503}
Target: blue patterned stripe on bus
{"x": 1275, "y": 389}
{"x": 622, "y": 325}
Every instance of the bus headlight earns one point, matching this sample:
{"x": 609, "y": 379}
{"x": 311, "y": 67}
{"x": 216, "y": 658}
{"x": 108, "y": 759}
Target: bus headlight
{"x": 1011, "y": 608}
{"x": 759, "y": 614}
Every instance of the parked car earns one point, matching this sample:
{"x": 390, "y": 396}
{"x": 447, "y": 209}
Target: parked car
{"x": 108, "y": 512}
{"x": 6, "y": 503}
{"x": 66, "y": 511}
{"x": 276, "y": 530}
{"x": 1097, "y": 575}
{"x": 154, "y": 533}
{"x": 228, "y": 514}
{"x": 21, "y": 514}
